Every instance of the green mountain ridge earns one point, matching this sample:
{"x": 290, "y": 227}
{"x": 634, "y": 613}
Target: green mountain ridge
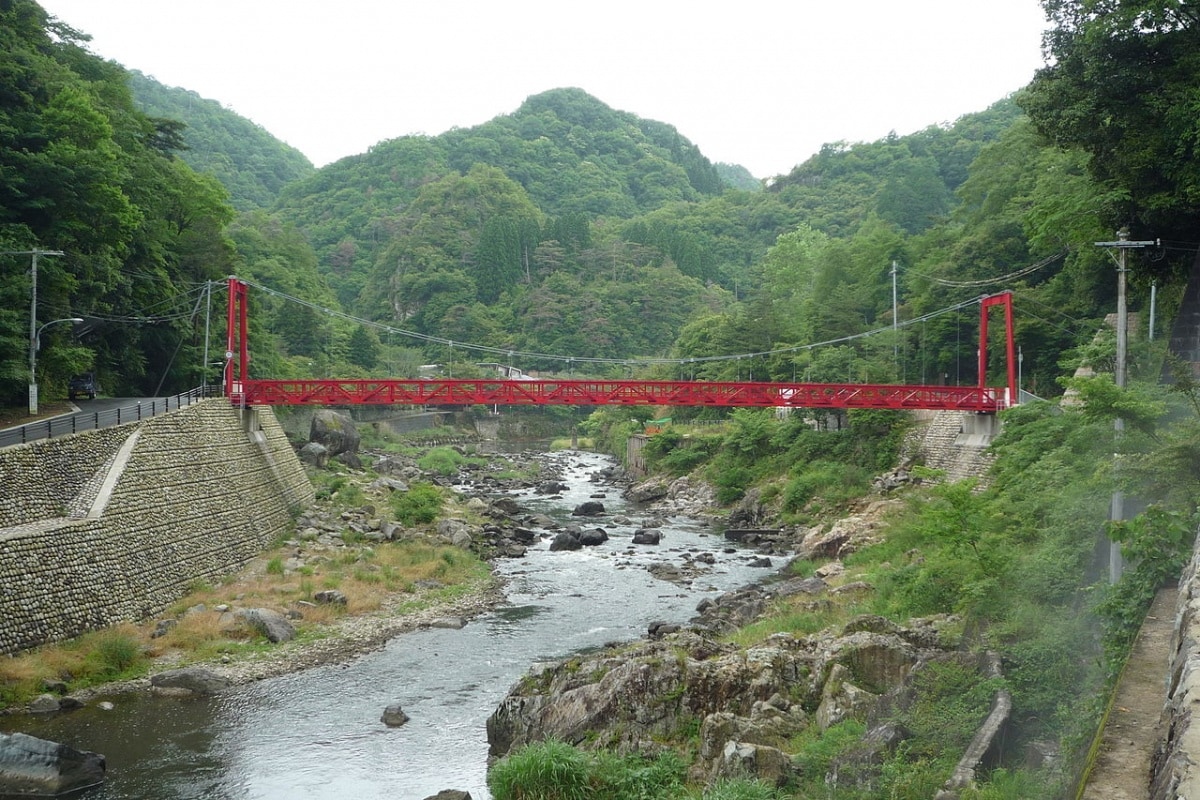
{"x": 248, "y": 160}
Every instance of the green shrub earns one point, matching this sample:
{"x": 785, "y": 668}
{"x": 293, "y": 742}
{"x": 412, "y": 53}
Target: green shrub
{"x": 635, "y": 778}
{"x": 441, "y": 461}
{"x": 731, "y": 484}
{"x": 421, "y": 504}
{"x": 116, "y": 653}
{"x": 1006, "y": 785}
{"x": 815, "y": 750}
{"x": 743, "y": 790}
{"x": 833, "y": 482}
{"x": 683, "y": 460}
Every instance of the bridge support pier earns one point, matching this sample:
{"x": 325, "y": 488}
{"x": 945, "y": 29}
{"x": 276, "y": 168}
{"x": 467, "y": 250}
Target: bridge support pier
{"x": 981, "y": 424}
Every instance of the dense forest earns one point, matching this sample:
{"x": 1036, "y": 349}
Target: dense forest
{"x": 566, "y": 229}
{"x": 572, "y": 238}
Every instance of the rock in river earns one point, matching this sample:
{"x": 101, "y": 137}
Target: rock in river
{"x": 194, "y": 679}
{"x": 35, "y": 767}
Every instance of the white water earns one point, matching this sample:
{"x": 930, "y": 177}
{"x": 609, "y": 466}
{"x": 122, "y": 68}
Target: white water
{"x": 316, "y": 735}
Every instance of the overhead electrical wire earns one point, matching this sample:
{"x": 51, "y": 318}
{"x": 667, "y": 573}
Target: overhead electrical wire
{"x": 512, "y": 353}
{"x": 979, "y": 284}
{"x": 176, "y": 301}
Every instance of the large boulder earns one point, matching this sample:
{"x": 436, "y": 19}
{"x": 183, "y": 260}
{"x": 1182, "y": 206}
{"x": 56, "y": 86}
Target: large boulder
{"x": 594, "y": 537}
{"x": 750, "y": 702}
{"x": 316, "y": 455}
{"x": 591, "y": 508}
{"x": 750, "y": 512}
{"x": 394, "y": 716}
{"x": 193, "y": 679}
{"x": 336, "y": 432}
{"x": 565, "y": 540}
{"x": 270, "y": 624}
{"x": 645, "y": 536}
{"x": 767, "y": 764}
{"x": 654, "y": 489}
{"x": 32, "y": 767}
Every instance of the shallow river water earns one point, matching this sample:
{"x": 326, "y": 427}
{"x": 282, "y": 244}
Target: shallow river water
{"x": 317, "y": 735}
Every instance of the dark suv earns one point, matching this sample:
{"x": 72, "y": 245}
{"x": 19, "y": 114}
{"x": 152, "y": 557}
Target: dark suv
{"x": 82, "y": 384}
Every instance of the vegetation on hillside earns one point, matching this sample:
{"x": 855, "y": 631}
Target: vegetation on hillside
{"x": 568, "y": 231}
{"x": 250, "y": 163}
{"x": 82, "y": 172}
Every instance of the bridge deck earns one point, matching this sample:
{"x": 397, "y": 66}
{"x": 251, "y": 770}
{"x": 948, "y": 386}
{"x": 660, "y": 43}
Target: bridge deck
{"x": 465, "y": 392}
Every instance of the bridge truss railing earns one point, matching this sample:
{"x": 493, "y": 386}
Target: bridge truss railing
{"x": 467, "y": 392}
{"x": 242, "y": 390}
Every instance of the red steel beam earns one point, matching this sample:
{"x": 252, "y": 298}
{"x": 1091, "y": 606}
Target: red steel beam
{"x": 465, "y": 392}
{"x": 242, "y": 390}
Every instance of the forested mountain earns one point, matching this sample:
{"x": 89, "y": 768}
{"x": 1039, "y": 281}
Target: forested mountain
{"x": 84, "y": 173}
{"x": 248, "y": 161}
{"x": 579, "y": 198}
{"x": 565, "y": 228}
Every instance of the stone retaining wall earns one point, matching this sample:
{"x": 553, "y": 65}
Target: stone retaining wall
{"x": 1175, "y": 771}
{"x": 943, "y": 441}
{"x": 92, "y": 535}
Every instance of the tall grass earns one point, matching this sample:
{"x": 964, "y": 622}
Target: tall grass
{"x": 546, "y": 771}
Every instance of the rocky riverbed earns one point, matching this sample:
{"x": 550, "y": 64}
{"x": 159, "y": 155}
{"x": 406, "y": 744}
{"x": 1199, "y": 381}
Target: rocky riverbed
{"x": 683, "y": 678}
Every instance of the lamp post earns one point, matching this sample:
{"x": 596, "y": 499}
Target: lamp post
{"x": 35, "y": 344}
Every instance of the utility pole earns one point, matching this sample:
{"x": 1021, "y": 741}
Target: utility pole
{"x": 207, "y": 319}
{"x": 1117, "y": 509}
{"x": 895, "y": 321}
{"x": 33, "y": 326}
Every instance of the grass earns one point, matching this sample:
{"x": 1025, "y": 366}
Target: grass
{"x": 558, "y": 771}
{"x": 12, "y": 416}
{"x": 370, "y": 579}
{"x": 117, "y": 653}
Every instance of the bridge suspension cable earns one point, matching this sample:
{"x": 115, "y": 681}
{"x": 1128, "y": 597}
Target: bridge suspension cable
{"x": 1000, "y": 279}
{"x": 241, "y": 389}
{"x": 650, "y": 361}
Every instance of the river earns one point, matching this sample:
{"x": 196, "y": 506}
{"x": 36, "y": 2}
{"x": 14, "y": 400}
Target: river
{"x": 316, "y": 735}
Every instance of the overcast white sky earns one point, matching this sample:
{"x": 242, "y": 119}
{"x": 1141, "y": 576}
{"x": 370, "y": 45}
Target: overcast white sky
{"x": 762, "y": 83}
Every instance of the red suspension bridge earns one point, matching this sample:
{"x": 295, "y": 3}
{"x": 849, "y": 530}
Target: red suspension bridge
{"x": 243, "y": 390}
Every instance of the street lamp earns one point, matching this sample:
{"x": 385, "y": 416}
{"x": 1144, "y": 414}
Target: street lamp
{"x": 34, "y": 345}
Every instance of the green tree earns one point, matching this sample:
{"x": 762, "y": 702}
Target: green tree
{"x": 1122, "y": 86}
{"x": 363, "y": 348}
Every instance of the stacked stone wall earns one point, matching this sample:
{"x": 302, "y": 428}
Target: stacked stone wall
{"x": 202, "y": 491}
{"x": 40, "y": 479}
{"x": 940, "y": 442}
{"x": 1175, "y": 771}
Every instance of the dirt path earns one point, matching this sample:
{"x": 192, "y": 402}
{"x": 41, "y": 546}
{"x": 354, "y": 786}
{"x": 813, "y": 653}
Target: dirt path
{"x": 1122, "y": 768}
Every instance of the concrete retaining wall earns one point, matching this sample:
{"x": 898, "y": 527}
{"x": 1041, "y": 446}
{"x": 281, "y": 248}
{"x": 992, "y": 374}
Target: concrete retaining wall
{"x": 115, "y": 525}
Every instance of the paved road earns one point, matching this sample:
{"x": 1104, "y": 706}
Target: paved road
{"x": 103, "y": 412}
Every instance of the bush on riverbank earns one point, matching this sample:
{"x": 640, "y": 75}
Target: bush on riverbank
{"x": 557, "y": 771}
{"x": 1019, "y": 563}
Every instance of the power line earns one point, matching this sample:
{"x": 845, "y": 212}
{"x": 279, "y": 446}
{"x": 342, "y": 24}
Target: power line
{"x": 510, "y": 353}
{"x": 978, "y": 284}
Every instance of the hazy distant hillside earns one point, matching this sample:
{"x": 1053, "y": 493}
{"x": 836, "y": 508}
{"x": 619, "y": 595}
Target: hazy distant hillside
{"x": 738, "y": 177}
{"x": 570, "y": 152}
{"x": 247, "y": 159}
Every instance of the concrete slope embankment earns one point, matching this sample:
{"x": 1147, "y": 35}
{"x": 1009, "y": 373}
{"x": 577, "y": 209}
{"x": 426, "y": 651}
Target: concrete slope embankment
{"x": 114, "y": 525}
